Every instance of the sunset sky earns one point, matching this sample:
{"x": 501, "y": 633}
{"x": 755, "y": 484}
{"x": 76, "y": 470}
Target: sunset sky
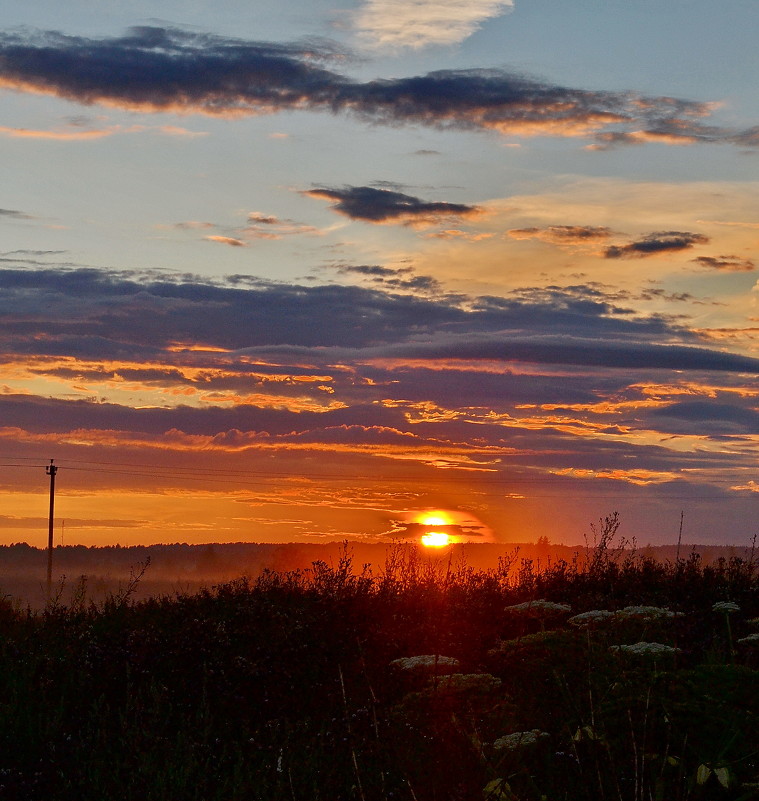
{"x": 310, "y": 271}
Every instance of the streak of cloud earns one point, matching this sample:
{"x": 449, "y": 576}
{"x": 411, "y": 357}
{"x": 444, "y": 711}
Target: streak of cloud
{"x": 61, "y": 136}
{"x": 226, "y": 240}
{"x": 156, "y": 69}
{"x": 731, "y": 264}
{"x": 13, "y": 214}
{"x": 563, "y": 234}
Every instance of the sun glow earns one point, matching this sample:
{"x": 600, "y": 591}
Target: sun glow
{"x": 435, "y": 539}
{"x": 434, "y": 520}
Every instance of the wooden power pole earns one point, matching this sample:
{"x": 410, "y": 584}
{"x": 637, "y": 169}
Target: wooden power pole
{"x": 51, "y": 470}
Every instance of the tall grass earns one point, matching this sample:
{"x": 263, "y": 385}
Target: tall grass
{"x": 289, "y": 686}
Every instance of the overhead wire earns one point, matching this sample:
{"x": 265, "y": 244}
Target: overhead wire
{"x": 153, "y": 471}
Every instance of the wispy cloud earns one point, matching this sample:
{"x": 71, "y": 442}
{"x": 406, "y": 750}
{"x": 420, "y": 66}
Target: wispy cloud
{"x": 226, "y": 240}
{"x": 415, "y": 24}
{"x": 74, "y": 133}
{"x": 563, "y": 234}
{"x": 168, "y": 70}
{"x": 13, "y": 214}
{"x": 731, "y": 264}
{"x": 257, "y": 226}
{"x": 68, "y": 135}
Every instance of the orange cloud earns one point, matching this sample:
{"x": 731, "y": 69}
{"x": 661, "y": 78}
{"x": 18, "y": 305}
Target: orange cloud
{"x": 227, "y": 240}
{"x": 26, "y": 133}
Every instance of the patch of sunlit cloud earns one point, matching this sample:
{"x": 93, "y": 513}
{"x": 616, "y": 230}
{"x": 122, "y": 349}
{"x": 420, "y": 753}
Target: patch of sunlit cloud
{"x": 227, "y": 240}
{"x": 583, "y": 217}
{"x": 58, "y": 136}
{"x": 415, "y": 24}
{"x": 78, "y": 134}
{"x": 175, "y": 130}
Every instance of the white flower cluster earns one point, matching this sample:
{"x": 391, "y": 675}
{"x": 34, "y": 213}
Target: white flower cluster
{"x": 539, "y": 608}
{"x": 751, "y": 639}
{"x": 726, "y": 606}
{"x": 646, "y": 649}
{"x": 482, "y": 682}
{"x": 426, "y": 662}
{"x": 520, "y": 739}
{"x": 595, "y": 616}
{"x": 647, "y": 612}
{"x": 591, "y": 618}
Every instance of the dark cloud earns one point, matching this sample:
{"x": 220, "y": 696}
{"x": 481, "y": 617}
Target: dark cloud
{"x": 655, "y": 243}
{"x": 408, "y": 530}
{"x": 589, "y": 352}
{"x": 262, "y": 219}
{"x": 13, "y": 214}
{"x": 34, "y": 253}
{"x": 87, "y": 311}
{"x": 91, "y": 313}
{"x": 371, "y": 270}
{"x": 37, "y": 414}
{"x": 164, "y": 69}
{"x": 707, "y": 418}
{"x": 383, "y": 205}
{"x": 400, "y": 279}
{"x": 733, "y": 264}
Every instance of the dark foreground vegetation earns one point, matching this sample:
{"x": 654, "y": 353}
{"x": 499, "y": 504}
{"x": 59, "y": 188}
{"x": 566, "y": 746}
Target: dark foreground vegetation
{"x": 287, "y": 687}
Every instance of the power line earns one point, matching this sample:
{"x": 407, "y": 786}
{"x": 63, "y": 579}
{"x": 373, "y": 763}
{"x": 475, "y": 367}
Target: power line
{"x": 204, "y": 472}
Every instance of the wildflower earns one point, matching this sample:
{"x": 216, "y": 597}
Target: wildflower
{"x": 726, "y": 606}
{"x": 520, "y": 739}
{"x": 539, "y": 608}
{"x": 593, "y": 617}
{"x": 425, "y": 662}
{"x": 751, "y": 639}
{"x": 646, "y": 649}
{"x": 481, "y": 682}
{"x": 647, "y": 612}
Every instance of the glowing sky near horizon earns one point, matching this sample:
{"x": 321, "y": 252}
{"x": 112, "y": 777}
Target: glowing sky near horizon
{"x": 310, "y": 273}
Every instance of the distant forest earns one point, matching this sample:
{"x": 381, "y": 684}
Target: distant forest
{"x": 180, "y": 568}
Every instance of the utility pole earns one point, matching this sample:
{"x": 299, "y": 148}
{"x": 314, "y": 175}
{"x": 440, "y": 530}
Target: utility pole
{"x": 50, "y": 470}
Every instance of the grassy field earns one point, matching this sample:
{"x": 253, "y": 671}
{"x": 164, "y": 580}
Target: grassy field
{"x": 616, "y": 678}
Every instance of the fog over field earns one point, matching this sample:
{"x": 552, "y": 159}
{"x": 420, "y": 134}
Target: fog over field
{"x": 167, "y": 570}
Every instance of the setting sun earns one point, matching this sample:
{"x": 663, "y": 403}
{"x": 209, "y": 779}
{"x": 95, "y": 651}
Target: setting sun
{"x": 436, "y": 539}
{"x": 434, "y": 520}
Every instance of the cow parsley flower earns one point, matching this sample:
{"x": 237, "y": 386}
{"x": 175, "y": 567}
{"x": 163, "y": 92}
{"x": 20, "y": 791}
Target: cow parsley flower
{"x": 426, "y": 662}
{"x": 647, "y": 612}
{"x": 520, "y": 739}
{"x": 591, "y": 618}
{"x": 539, "y": 608}
{"x": 646, "y": 649}
{"x": 726, "y": 606}
{"x": 480, "y": 682}
{"x": 751, "y": 639}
